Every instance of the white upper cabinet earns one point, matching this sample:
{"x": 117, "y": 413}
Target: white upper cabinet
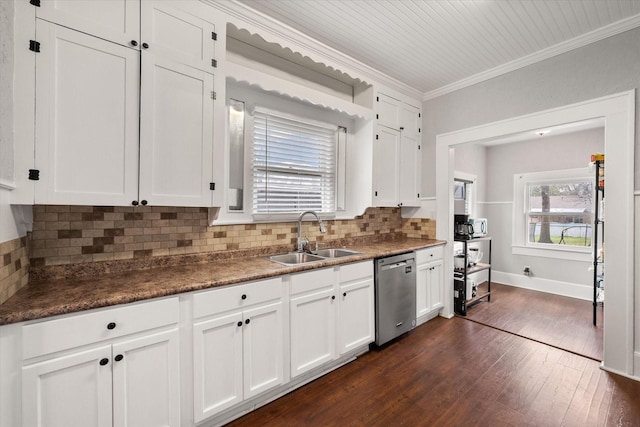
{"x": 176, "y": 114}
{"x": 114, "y": 20}
{"x": 396, "y": 153}
{"x": 129, "y": 122}
{"x": 86, "y": 119}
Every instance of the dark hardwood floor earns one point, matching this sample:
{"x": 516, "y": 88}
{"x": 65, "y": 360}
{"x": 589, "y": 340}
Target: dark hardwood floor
{"x": 563, "y": 322}
{"x": 458, "y": 372}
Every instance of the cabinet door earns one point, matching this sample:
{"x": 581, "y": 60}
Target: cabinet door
{"x": 263, "y": 349}
{"x": 385, "y": 167}
{"x": 176, "y": 133}
{"x": 146, "y": 385}
{"x": 175, "y": 30}
{"x": 423, "y": 273}
{"x": 410, "y": 119}
{"x": 436, "y": 285}
{"x": 356, "y": 319}
{"x": 86, "y": 119}
{"x": 114, "y": 20}
{"x": 408, "y": 170}
{"x": 70, "y": 391}
{"x": 388, "y": 111}
{"x": 217, "y": 364}
{"x": 312, "y": 330}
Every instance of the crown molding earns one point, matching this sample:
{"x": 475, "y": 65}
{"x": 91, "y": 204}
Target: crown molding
{"x": 308, "y": 46}
{"x": 541, "y": 55}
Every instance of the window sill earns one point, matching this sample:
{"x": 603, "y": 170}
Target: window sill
{"x": 565, "y": 253}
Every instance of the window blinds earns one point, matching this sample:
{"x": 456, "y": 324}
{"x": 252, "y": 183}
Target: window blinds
{"x": 294, "y": 165}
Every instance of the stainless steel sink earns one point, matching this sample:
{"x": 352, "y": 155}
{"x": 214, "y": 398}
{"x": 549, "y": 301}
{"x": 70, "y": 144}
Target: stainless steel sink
{"x": 335, "y": 253}
{"x": 295, "y": 258}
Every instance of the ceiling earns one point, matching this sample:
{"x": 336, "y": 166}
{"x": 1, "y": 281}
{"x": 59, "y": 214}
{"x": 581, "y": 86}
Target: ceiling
{"x": 435, "y": 46}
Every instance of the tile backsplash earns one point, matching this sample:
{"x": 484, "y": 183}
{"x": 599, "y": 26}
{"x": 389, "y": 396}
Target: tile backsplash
{"x": 64, "y": 235}
{"x": 14, "y": 266}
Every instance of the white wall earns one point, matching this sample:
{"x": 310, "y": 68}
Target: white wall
{"x": 607, "y": 67}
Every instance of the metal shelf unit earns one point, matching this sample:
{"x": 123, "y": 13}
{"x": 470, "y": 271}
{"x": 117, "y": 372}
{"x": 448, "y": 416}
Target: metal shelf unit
{"x": 598, "y": 227}
{"x": 460, "y": 276}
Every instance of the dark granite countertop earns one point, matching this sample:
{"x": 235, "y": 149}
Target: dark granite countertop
{"x": 44, "y": 298}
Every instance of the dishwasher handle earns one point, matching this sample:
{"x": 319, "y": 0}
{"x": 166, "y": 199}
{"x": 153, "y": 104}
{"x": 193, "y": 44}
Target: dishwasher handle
{"x": 394, "y": 265}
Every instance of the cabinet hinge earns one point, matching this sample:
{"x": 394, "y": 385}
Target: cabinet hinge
{"x": 377, "y": 116}
{"x": 213, "y": 95}
{"x": 34, "y": 174}
{"x": 418, "y": 146}
{"x": 212, "y": 186}
{"x": 377, "y": 99}
{"x": 419, "y": 130}
{"x": 35, "y": 2}
{"x": 418, "y": 195}
{"x": 375, "y": 193}
{"x": 34, "y": 46}
{"x": 377, "y": 136}
{"x": 214, "y": 63}
{"x": 214, "y": 35}
{"x": 419, "y": 115}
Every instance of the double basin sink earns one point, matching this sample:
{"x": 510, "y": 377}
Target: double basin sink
{"x": 297, "y": 258}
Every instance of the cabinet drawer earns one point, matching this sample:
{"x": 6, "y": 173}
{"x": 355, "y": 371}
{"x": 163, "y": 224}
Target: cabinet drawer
{"x": 312, "y": 280}
{"x": 428, "y": 254}
{"x": 358, "y": 271}
{"x": 77, "y": 330}
{"x": 236, "y": 296}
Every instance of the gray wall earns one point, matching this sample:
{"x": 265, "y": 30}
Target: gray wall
{"x": 606, "y": 67}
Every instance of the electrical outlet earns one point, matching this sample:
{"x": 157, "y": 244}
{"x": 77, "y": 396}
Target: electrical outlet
{"x": 527, "y": 270}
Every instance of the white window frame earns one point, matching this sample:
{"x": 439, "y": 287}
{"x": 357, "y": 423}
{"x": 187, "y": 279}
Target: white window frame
{"x": 520, "y": 244}
{"x": 278, "y": 216}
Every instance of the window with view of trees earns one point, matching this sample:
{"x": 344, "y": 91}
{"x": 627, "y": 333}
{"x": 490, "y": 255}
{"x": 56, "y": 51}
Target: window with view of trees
{"x": 559, "y": 213}
{"x": 294, "y": 164}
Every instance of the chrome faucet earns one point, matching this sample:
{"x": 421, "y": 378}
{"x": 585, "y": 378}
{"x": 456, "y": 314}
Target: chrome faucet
{"x": 301, "y": 241}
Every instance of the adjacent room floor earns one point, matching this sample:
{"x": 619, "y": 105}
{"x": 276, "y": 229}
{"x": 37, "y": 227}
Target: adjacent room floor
{"x": 563, "y": 322}
{"x": 458, "y": 372}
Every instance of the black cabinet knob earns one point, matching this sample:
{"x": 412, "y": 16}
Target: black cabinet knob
{"x": 104, "y": 361}
{"x": 244, "y": 296}
{"x": 111, "y": 325}
{"x": 344, "y": 294}
{"x": 134, "y": 43}
{"x": 247, "y": 321}
{"x": 145, "y": 46}
{"x": 239, "y": 323}
{"x": 143, "y": 203}
{"x": 118, "y": 358}
{"x": 333, "y": 297}
{"x": 134, "y": 203}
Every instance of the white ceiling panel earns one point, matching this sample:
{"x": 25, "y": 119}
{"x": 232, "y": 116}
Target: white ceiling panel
{"x": 433, "y": 44}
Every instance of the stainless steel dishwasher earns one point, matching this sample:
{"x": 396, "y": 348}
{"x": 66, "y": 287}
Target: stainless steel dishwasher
{"x": 395, "y": 285}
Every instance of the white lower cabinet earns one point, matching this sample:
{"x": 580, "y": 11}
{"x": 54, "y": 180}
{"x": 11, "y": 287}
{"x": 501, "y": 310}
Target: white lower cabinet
{"x": 238, "y": 345}
{"x": 128, "y": 381}
{"x": 331, "y": 314}
{"x": 429, "y": 281}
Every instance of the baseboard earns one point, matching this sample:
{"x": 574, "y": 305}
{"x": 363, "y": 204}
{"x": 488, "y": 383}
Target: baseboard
{"x": 556, "y": 287}
{"x": 622, "y": 374}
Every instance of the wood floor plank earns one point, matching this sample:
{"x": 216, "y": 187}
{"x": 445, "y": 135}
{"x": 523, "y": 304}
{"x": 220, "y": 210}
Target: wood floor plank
{"x": 453, "y": 372}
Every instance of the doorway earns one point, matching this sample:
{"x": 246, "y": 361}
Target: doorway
{"x": 618, "y": 113}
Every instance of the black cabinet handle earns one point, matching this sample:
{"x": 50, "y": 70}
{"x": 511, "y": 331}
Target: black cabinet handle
{"x": 143, "y": 203}
{"x": 134, "y": 43}
{"x": 145, "y": 46}
{"x": 118, "y": 358}
{"x": 135, "y": 203}
{"x": 247, "y": 321}
{"x": 239, "y": 323}
{"x": 104, "y": 361}
{"x": 244, "y": 296}
{"x": 111, "y": 325}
